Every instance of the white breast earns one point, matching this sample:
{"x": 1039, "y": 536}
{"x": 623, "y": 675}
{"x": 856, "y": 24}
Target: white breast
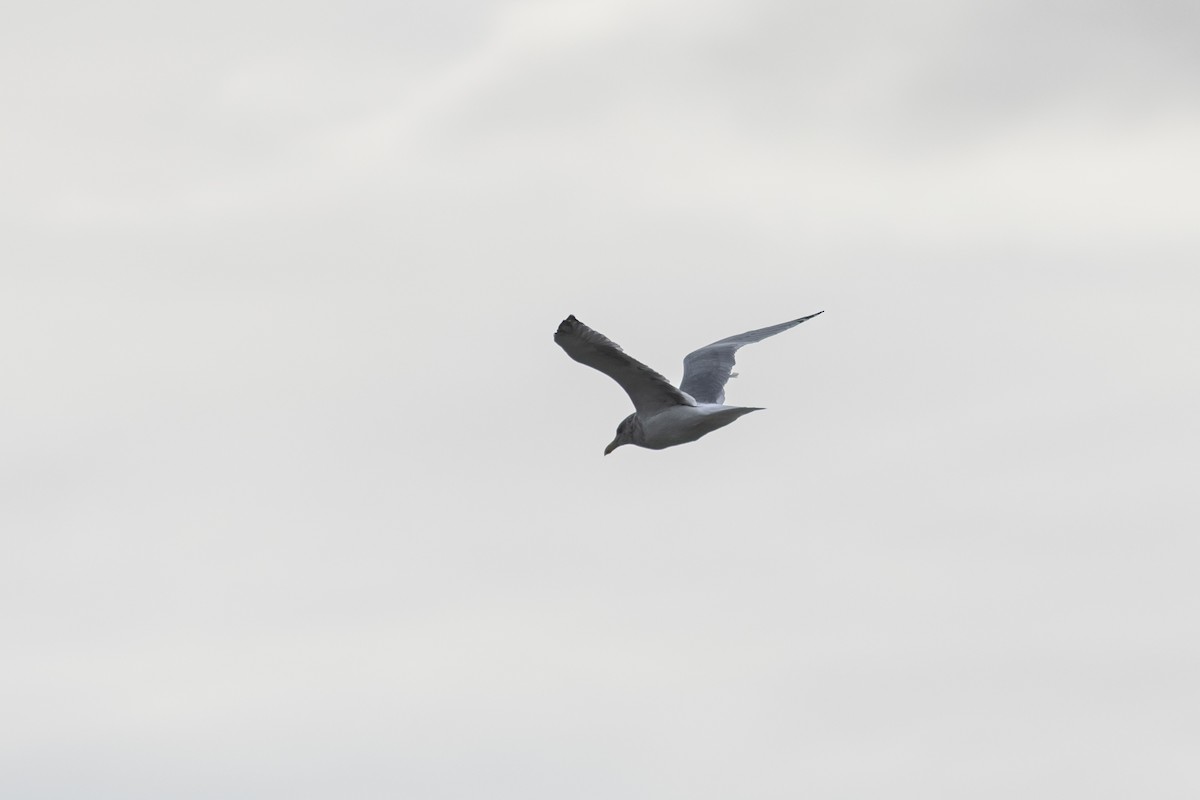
{"x": 681, "y": 424}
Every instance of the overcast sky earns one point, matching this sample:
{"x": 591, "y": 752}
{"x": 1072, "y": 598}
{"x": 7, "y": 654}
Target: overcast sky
{"x": 300, "y": 500}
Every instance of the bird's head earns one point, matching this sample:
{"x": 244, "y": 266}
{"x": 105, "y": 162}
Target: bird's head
{"x": 625, "y": 432}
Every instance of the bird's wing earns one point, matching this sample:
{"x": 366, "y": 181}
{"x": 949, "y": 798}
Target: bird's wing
{"x": 707, "y": 370}
{"x": 649, "y": 391}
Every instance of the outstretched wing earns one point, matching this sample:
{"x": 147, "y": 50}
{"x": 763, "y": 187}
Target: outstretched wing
{"x": 649, "y": 391}
{"x": 707, "y": 370}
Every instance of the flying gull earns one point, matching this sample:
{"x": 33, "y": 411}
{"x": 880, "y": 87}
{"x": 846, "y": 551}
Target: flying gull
{"x": 666, "y": 416}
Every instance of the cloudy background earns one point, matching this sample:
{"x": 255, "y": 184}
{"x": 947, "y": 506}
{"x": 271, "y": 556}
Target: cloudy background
{"x": 300, "y": 500}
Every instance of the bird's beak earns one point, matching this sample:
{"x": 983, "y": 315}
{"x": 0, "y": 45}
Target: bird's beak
{"x": 611, "y": 447}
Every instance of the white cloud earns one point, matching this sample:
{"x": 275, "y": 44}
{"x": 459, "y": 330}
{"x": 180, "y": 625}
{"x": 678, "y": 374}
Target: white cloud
{"x": 303, "y": 501}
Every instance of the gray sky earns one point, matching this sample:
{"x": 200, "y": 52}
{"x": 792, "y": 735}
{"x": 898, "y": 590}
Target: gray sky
{"x": 300, "y": 500}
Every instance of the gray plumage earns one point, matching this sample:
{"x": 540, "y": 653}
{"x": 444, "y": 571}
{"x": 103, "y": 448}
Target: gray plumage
{"x": 649, "y": 391}
{"x": 707, "y": 370}
{"x": 665, "y": 416}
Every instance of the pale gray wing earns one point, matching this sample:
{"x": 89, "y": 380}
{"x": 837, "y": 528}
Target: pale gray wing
{"x": 649, "y": 391}
{"x": 707, "y": 370}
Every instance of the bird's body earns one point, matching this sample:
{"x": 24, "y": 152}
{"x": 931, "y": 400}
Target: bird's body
{"x": 666, "y": 416}
{"x": 683, "y": 424}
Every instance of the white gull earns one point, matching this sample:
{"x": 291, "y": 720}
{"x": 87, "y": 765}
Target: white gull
{"x": 666, "y": 416}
